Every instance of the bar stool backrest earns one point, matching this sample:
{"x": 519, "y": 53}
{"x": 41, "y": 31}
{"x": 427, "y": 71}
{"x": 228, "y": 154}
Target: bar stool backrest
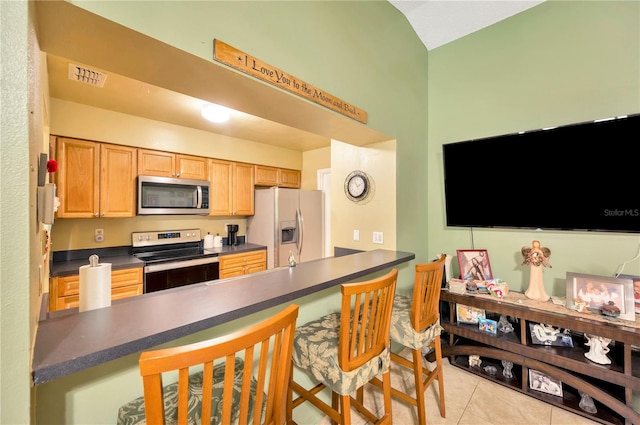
{"x": 364, "y": 334}
{"x": 265, "y": 346}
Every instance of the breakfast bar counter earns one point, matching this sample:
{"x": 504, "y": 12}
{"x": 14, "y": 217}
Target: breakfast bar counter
{"x": 71, "y": 342}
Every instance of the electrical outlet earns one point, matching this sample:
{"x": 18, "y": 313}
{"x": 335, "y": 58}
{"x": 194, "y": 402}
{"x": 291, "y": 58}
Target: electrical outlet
{"x": 99, "y": 235}
{"x": 356, "y": 235}
{"x": 377, "y": 237}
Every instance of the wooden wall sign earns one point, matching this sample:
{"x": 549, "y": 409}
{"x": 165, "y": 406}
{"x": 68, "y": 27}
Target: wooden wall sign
{"x": 241, "y": 61}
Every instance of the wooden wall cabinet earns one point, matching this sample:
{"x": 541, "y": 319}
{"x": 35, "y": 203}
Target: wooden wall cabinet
{"x": 64, "y": 291}
{"x": 95, "y": 179}
{"x": 243, "y": 263}
{"x": 168, "y": 164}
{"x": 610, "y": 386}
{"x": 281, "y": 177}
{"x": 231, "y": 189}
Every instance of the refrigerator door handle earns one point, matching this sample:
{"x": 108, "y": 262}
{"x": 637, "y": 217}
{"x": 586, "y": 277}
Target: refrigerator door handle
{"x": 300, "y": 225}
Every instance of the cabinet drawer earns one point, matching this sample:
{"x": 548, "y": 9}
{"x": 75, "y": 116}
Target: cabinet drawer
{"x": 125, "y": 277}
{"x": 73, "y": 301}
{"x": 238, "y": 260}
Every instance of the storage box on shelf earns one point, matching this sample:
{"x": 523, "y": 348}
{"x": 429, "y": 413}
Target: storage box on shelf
{"x": 611, "y": 386}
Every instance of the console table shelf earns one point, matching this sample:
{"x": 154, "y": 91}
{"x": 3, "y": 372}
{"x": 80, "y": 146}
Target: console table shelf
{"x": 610, "y": 386}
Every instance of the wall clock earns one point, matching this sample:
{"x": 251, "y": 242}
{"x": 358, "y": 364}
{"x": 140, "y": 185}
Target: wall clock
{"x": 357, "y": 186}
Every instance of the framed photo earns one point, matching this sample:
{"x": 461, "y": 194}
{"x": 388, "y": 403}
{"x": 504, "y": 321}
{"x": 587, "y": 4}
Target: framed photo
{"x": 466, "y": 314}
{"x": 544, "y": 383}
{"x": 636, "y": 289}
{"x": 474, "y": 264}
{"x": 488, "y": 325}
{"x": 596, "y": 291}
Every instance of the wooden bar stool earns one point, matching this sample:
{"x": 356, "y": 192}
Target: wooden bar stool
{"x": 255, "y": 360}
{"x": 343, "y": 351}
{"x": 415, "y": 323}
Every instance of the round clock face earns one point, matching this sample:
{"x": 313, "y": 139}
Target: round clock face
{"x": 356, "y": 186}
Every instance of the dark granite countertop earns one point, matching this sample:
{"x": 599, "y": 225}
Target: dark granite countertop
{"x": 72, "y": 342}
{"x": 67, "y": 263}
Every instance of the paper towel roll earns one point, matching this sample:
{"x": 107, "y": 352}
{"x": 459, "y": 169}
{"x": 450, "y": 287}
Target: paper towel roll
{"x": 95, "y": 286}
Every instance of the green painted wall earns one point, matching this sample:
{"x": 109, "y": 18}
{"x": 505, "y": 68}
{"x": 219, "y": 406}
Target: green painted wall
{"x": 558, "y": 63}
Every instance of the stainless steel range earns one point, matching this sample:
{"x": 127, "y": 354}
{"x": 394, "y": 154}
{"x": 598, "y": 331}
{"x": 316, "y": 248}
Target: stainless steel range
{"x": 173, "y": 258}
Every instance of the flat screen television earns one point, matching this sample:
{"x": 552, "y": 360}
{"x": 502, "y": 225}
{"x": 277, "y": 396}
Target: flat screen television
{"x": 583, "y": 177}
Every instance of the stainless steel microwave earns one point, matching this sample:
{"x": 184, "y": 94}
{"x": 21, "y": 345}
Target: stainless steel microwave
{"x": 167, "y": 196}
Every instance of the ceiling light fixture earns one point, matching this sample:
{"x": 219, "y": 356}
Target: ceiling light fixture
{"x": 215, "y": 113}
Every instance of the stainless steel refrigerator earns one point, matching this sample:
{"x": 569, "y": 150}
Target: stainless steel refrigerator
{"x": 287, "y": 221}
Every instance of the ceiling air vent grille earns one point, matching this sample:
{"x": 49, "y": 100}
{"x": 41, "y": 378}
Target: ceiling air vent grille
{"x": 86, "y": 75}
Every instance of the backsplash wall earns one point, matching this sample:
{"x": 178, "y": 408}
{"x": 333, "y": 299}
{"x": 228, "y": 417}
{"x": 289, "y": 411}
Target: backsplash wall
{"x": 76, "y": 233}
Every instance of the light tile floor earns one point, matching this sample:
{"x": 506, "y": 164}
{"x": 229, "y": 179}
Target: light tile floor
{"x": 470, "y": 400}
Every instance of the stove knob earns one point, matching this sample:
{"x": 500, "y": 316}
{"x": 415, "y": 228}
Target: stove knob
{"x": 139, "y": 238}
{"x": 148, "y": 237}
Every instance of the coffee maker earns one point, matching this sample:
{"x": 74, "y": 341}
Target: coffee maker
{"x": 232, "y": 234}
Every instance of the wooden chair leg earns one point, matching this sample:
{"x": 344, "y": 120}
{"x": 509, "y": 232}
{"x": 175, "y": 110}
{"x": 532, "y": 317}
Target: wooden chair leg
{"x": 418, "y": 377}
{"x": 345, "y": 409}
{"x": 386, "y": 384}
{"x": 440, "y": 378}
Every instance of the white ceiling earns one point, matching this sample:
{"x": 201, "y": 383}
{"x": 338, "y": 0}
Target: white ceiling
{"x": 436, "y": 22}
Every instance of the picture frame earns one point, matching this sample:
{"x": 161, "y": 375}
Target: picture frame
{"x": 467, "y": 314}
{"x": 474, "y": 264}
{"x": 636, "y": 289}
{"x": 538, "y": 381}
{"x": 597, "y": 290}
{"x": 488, "y": 325}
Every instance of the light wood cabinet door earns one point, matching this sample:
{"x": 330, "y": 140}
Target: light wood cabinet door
{"x": 77, "y": 179}
{"x": 243, "y": 189}
{"x": 168, "y": 164}
{"x": 95, "y": 179}
{"x": 280, "y": 177}
{"x": 117, "y": 181}
{"x": 156, "y": 163}
{"x": 290, "y": 178}
{"x": 231, "y": 188}
{"x": 266, "y": 176}
{"x": 191, "y": 167}
{"x": 64, "y": 291}
{"x": 244, "y": 263}
{"x": 221, "y": 187}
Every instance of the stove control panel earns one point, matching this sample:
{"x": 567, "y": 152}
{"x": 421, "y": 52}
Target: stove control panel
{"x": 164, "y": 237}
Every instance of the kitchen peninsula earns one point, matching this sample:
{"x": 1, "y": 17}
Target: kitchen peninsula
{"x": 72, "y": 342}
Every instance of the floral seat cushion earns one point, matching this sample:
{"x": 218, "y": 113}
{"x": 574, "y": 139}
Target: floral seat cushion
{"x": 132, "y": 413}
{"x": 401, "y": 330}
{"x": 315, "y": 349}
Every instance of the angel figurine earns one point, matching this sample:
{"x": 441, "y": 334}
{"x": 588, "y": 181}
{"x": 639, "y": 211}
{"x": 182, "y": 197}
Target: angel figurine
{"x": 536, "y": 257}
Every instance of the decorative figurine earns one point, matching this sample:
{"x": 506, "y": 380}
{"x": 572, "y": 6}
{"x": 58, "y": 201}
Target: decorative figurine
{"x": 581, "y": 305}
{"x": 504, "y": 325}
{"x": 292, "y": 260}
{"x": 598, "y": 349}
{"x": 506, "y": 371}
{"x": 586, "y": 403}
{"x": 611, "y": 310}
{"x": 491, "y": 370}
{"x": 474, "y": 360}
{"x": 536, "y": 257}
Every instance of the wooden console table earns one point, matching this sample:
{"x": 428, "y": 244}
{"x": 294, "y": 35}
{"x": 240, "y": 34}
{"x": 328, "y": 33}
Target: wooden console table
{"x": 610, "y": 386}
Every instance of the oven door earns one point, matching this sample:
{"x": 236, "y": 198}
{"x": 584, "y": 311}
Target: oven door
{"x": 158, "y": 277}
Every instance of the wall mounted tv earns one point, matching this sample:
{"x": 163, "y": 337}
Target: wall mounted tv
{"x": 583, "y": 176}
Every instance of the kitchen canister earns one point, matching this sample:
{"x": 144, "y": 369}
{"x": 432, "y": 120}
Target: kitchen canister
{"x": 95, "y": 285}
{"x": 217, "y": 241}
{"x": 209, "y": 241}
